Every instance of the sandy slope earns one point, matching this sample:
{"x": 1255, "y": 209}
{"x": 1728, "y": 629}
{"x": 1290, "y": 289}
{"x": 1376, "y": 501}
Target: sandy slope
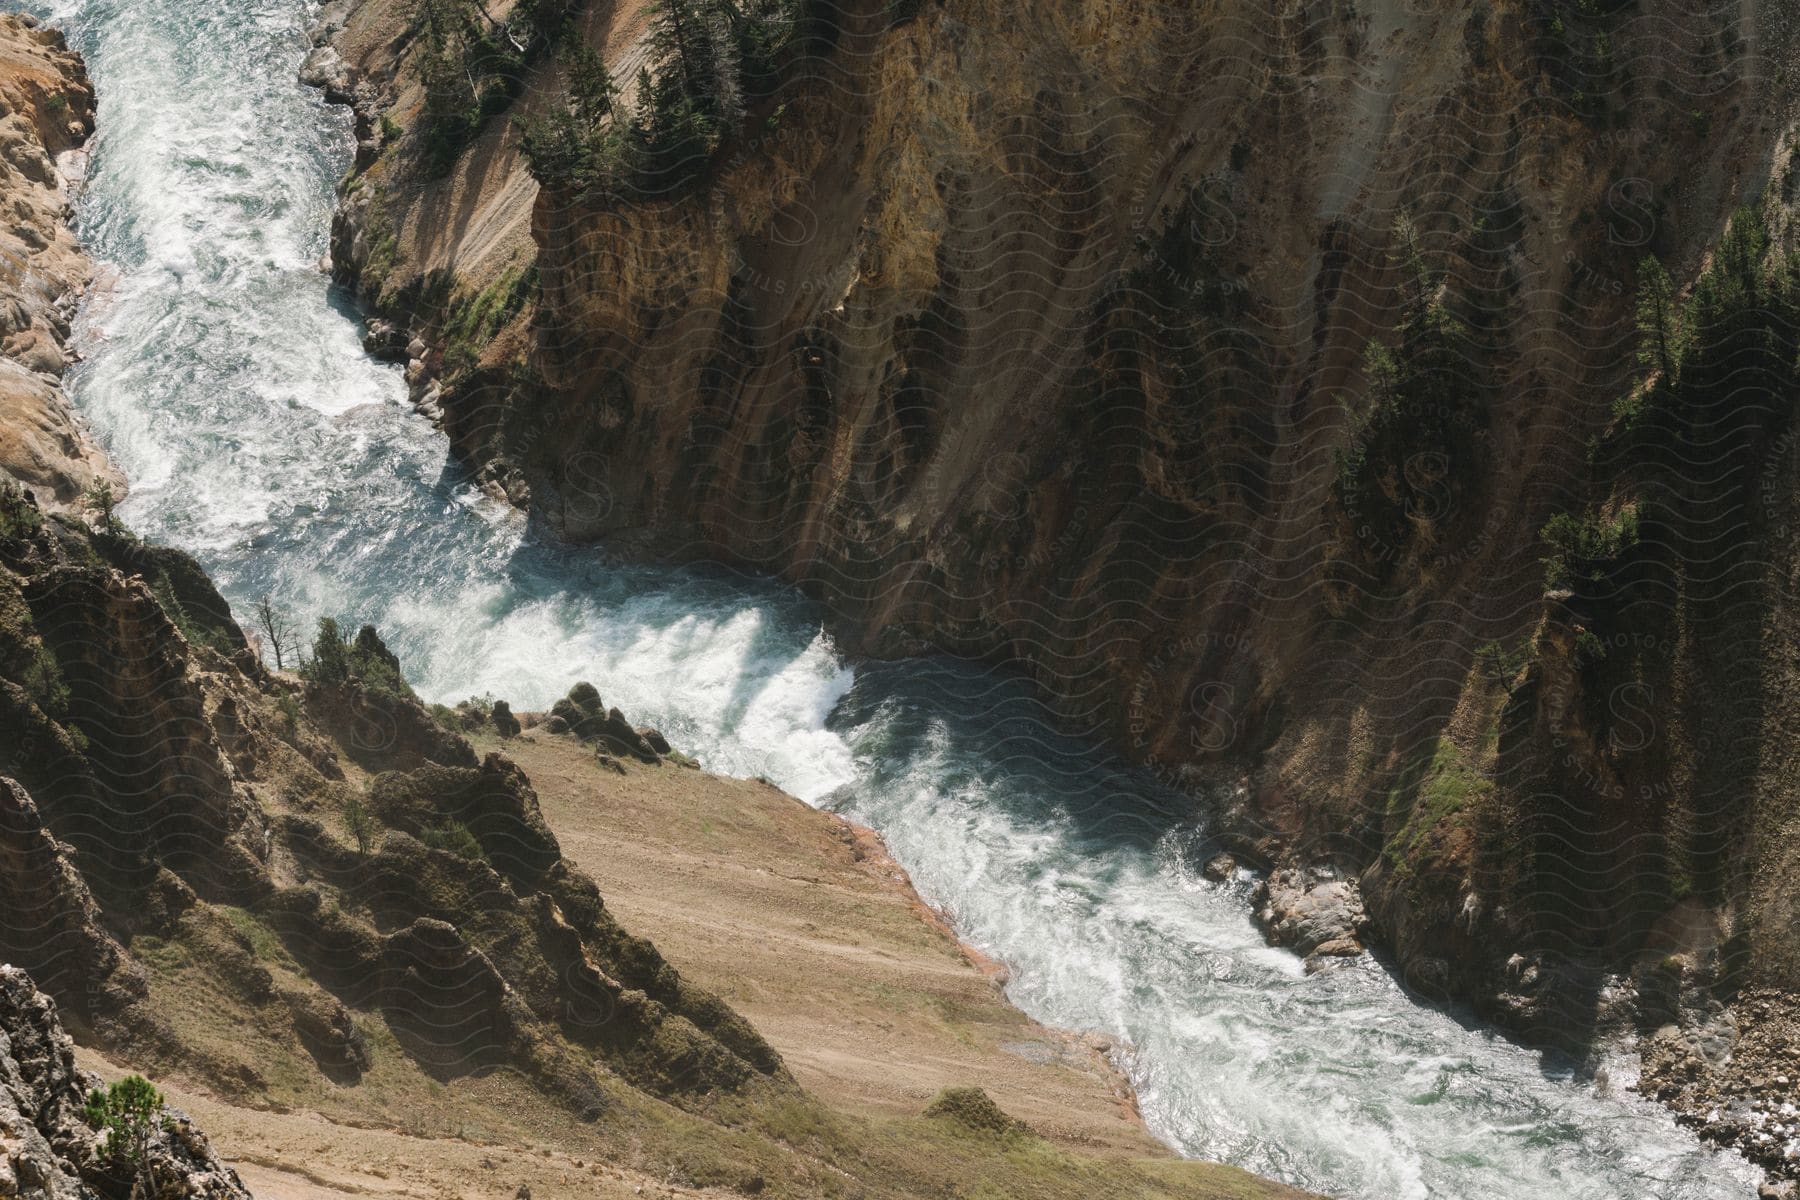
{"x": 803, "y": 924}
{"x": 305, "y": 1156}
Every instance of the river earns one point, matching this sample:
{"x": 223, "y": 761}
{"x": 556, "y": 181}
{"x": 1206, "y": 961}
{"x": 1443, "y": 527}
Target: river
{"x": 227, "y": 379}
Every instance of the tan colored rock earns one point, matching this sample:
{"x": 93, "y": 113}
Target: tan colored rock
{"x": 43, "y": 444}
{"x": 49, "y": 110}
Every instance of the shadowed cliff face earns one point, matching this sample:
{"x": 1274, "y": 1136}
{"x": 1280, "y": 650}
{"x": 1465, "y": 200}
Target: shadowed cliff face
{"x": 1041, "y": 333}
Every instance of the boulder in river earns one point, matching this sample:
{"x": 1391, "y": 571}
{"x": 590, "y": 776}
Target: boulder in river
{"x": 326, "y": 69}
{"x": 1311, "y": 911}
{"x": 385, "y": 340}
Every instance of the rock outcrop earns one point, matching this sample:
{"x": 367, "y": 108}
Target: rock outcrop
{"x": 583, "y": 714}
{"x": 47, "y": 1147}
{"x": 46, "y": 113}
{"x": 1318, "y": 916}
{"x": 158, "y": 786}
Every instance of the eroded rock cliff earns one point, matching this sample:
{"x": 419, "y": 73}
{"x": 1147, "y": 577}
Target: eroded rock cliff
{"x": 1043, "y": 333}
{"x": 320, "y": 858}
{"x": 46, "y": 113}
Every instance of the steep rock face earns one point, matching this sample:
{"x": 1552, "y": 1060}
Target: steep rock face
{"x": 1040, "y": 333}
{"x": 46, "y": 110}
{"x": 53, "y": 920}
{"x": 46, "y": 1146}
{"x": 417, "y": 237}
{"x": 159, "y": 789}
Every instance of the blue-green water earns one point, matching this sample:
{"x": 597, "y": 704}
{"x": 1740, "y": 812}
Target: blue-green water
{"x": 229, "y": 383}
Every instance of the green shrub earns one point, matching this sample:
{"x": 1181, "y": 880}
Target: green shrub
{"x": 454, "y": 837}
{"x": 361, "y": 825}
{"x": 129, "y": 1113}
{"x": 287, "y": 706}
{"x": 20, "y": 516}
{"x": 43, "y": 682}
{"x": 1582, "y": 550}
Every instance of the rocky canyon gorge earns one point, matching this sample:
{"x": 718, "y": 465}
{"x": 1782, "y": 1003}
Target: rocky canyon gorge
{"x": 306, "y": 901}
{"x": 1274, "y": 387}
{"x": 1339, "y": 451}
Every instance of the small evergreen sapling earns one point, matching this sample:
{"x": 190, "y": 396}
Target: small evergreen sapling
{"x": 130, "y": 1112}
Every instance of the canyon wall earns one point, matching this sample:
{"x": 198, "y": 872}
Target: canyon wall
{"x": 46, "y": 113}
{"x": 1041, "y": 333}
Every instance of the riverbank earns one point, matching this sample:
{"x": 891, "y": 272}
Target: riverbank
{"x": 803, "y": 923}
{"x": 46, "y": 117}
{"x": 785, "y": 913}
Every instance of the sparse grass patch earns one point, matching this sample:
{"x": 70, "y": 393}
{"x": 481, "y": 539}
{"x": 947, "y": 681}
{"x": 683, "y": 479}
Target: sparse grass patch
{"x": 1443, "y": 792}
{"x": 384, "y": 245}
{"x": 474, "y": 320}
{"x": 972, "y": 1109}
{"x": 263, "y": 942}
{"x": 454, "y": 837}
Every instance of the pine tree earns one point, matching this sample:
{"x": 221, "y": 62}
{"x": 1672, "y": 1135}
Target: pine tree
{"x": 761, "y": 29}
{"x": 676, "y": 49}
{"x": 130, "y": 1112}
{"x": 695, "y": 58}
{"x": 1662, "y": 332}
{"x": 727, "y": 98}
{"x": 544, "y": 19}
{"x": 442, "y": 63}
{"x": 590, "y": 84}
{"x": 1409, "y": 255}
